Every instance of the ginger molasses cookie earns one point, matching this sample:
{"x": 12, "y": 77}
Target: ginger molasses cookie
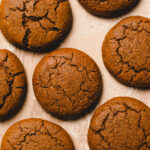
{"x": 35, "y": 24}
{"x": 36, "y": 134}
{"x": 123, "y": 123}
{"x": 108, "y": 8}
{"x": 67, "y": 83}
{"x": 12, "y": 83}
{"x": 126, "y": 51}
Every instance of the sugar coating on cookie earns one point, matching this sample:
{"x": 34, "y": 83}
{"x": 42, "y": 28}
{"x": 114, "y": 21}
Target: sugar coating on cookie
{"x": 67, "y": 83}
{"x": 123, "y": 123}
{"x": 35, "y": 24}
{"x": 108, "y": 8}
{"x": 36, "y": 134}
{"x": 12, "y": 83}
{"x": 126, "y": 51}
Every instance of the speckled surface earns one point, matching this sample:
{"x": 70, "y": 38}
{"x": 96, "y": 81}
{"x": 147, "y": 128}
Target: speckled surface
{"x": 87, "y": 34}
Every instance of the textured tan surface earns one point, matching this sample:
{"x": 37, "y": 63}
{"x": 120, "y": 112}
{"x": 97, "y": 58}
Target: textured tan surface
{"x": 36, "y": 134}
{"x": 87, "y": 33}
{"x": 108, "y": 8}
{"x": 35, "y": 24}
{"x": 126, "y": 51}
{"x": 12, "y": 83}
{"x": 123, "y": 123}
{"x": 67, "y": 83}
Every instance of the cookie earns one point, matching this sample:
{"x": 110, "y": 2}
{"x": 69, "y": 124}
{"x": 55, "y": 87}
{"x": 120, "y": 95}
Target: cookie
{"x": 108, "y": 8}
{"x": 35, "y": 24}
{"x": 36, "y": 134}
{"x": 12, "y": 83}
{"x": 126, "y": 51}
{"x": 123, "y": 123}
{"x": 67, "y": 83}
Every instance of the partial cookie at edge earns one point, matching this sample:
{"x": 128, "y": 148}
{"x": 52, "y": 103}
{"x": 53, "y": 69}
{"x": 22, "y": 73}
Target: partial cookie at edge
{"x": 35, "y": 24}
{"x": 12, "y": 83}
{"x": 121, "y": 123}
{"x": 108, "y": 8}
{"x": 36, "y": 134}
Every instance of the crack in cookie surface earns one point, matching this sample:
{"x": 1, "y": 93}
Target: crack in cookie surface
{"x": 42, "y": 135}
{"x": 108, "y": 8}
{"x": 42, "y": 18}
{"x": 120, "y": 125}
{"x": 70, "y": 87}
{"x": 128, "y": 44}
{"x": 10, "y": 89}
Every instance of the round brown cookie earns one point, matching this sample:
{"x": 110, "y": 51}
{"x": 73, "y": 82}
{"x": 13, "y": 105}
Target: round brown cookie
{"x": 35, "y": 24}
{"x": 67, "y": 83}
{"x": 126, "y": 51}
{"x": 108, "y": 8}
{"x": 12, "y": 83}
{"x": 123, "y": 123}
{"x": 36, "y": 134}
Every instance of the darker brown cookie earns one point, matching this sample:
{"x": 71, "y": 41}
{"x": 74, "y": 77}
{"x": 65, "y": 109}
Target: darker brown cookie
{"x": 67, "y": 83}
{"x": 35, "y": 24}
{"x": 122, "y": 123}
{"x": 36, "y": 134}
{"x": 12, "y": 83}
{"x": 108, "y": 8}
{"x": 126, "y": 51}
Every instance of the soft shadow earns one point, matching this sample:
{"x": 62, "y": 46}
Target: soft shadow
{"x": 147, "y": 87}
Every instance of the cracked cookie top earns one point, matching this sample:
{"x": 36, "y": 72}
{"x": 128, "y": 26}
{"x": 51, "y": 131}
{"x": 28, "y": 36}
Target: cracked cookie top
{"x": 35, "y": 24}
{"x": 67, "y": 83}
{"x": 12, "y": 83}
{"x": 36, "y": 134}
{"x": 108, "y": 8}
{"x": 126, "y": 51}
{"x": 123, "y": 123}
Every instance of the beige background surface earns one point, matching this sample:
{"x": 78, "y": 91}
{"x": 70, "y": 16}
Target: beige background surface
{"x": 87, "y": 34}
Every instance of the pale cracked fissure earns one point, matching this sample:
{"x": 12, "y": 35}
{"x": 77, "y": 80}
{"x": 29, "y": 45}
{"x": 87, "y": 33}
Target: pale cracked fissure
{"x": 126, "y": 111}
{"x": 26, "y": 18}
{"x": 10, "y": 83}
